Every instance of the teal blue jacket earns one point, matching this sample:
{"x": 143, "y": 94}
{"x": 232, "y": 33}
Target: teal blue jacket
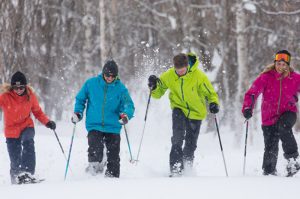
{"x": 104, "y": 103}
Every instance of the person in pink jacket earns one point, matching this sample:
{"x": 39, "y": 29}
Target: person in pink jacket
{"x": 279, "y": 85}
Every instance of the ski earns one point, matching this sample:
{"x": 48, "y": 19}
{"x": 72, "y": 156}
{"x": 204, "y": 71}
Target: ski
{"x": 175, "y": 175}
{"x": 38, "y": 181}
{"x": 291, "y": 174}
{"x": 35, "y": 181}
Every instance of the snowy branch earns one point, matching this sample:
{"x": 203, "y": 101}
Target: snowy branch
{"x": 280, "y": 12}
{"x": 155, "y": 12}
{"x": 214, "y": 6}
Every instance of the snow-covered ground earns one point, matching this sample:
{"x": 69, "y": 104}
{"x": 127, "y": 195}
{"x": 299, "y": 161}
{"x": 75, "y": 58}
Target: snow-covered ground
{"x": 148, "y": 178}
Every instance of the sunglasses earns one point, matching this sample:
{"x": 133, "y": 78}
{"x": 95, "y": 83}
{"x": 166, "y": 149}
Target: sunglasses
{"x": 110, "y": 75}
{"x": 18, "y": 87}
{"x": 284, "y": 57}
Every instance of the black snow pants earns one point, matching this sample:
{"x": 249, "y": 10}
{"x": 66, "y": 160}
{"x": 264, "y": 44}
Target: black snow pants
{"x": 96, "y": 141}
{"x": 21, "y": 153}
{"x": 282, "y": 130}
{"x": 187, "y": 130}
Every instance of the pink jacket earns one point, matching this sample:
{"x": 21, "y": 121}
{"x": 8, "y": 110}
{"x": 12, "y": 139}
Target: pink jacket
{"x": 279, "y": 95}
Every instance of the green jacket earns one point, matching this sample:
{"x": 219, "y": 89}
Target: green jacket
{"x": 189, "y": 92}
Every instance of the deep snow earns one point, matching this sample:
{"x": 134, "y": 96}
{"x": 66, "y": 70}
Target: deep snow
{"x": 148, "y": 178}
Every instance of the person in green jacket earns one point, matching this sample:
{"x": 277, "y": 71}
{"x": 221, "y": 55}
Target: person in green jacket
{"x": 189, "y": 90}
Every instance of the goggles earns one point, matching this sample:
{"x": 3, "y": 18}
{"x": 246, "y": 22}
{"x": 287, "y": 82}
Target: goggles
{"x": 19, "y": 87}
{"x": 282, "y": 57}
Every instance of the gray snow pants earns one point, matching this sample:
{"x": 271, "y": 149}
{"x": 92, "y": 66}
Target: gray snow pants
{"x": 187, "y": 130}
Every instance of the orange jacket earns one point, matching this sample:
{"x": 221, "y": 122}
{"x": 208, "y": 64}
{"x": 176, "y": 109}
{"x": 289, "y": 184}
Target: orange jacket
{"x": 17, "y": 112}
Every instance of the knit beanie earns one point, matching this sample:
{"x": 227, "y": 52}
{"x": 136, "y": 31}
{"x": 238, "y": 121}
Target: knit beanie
{"x": 110, "y": 68}
{"x": 18, "y": 79}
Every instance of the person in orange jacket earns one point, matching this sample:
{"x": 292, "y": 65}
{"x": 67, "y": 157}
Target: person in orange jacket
{"x": 17, "y": 102}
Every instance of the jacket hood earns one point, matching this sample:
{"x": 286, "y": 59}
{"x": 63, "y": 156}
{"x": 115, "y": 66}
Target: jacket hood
{"x": 279, "y": 76}
{"x": 193, "y": 61}
{"x": 5, "y": 88}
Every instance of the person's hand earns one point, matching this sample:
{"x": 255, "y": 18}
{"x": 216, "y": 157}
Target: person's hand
{"x": 247, "y": 113}
{"x": 76, "y": 117}
{"x": 213, "y": 107}
{"x": 152, "y": 82}
{"x": 123, "y": 119}
{"x": 51, "y": 125}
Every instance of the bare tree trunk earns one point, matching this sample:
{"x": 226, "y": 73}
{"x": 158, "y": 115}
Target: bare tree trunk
{"x": 103, "y": 48}
{"x": 224, "y": 93}
{"x": 181, "y": 26}
{"x": 241, "y": 53}
{"x": 243, "y": 77}
{"x": 88, "y": 20}
{"x": 112, "y": 28}
{"x": 18, "y": 44}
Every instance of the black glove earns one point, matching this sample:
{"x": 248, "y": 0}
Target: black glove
{"x": 76, "y": 117}
{"x": 123, "y": 119}
{"x": 152, "y": 82}
{"x": 51, "y": 125}
{"x": 213, "y": 107}
{"x": 247, "y": 113}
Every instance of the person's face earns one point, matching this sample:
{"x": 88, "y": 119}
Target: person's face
{"x": 19, "y": 90}
{"x": 181, "y": 71}
{"x": 109, "y": 78}
{"x": 281, "y": 66}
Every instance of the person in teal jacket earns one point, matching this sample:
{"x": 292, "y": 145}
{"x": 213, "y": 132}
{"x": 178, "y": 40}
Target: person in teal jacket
{"x": 108, "y": 107}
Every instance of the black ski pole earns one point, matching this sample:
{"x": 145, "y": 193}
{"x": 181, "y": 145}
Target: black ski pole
{"x": 221, "y": 144}
{"x": 245, "y": 151}
{"x": 70, "y": 150}
{"x": 129, "y": 148}
{"x": 62, "y": 149}
{"x": 145, "y": 119}
{"x": 246, "y": 136}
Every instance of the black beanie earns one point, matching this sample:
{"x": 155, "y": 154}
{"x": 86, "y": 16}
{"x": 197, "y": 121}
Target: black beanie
{"x": 18, "y": 79}
{"x": 110, "y": 67}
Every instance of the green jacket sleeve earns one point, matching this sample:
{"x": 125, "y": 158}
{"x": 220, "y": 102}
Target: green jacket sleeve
{"x": 161, "y": 86}
{"x": 208, "y": 90}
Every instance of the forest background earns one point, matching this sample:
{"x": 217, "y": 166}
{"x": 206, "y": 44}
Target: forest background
{"x": 59, "y": 44}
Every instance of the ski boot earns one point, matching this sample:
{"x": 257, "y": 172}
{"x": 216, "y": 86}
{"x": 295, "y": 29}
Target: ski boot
{"x": 292, "y": 167}
{"x": 176, "y": 170}
{"x": 272, "y": 173}
{"x": 27, "y": 178}
{"x": 95, "y": 168}
{"x": 110, "y": 175}
{"x": 176, "y": 174}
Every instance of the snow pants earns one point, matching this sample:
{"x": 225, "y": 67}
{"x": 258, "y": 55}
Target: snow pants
{"x": 96, "y": 141}
{"x": 21, "y": 153}
{"x": 282, "y": 130}
{"x": 184, "y": 130}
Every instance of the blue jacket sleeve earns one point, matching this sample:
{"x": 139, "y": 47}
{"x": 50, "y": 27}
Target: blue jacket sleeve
{"x": 127, "y": 105}
{"x": 81, "y": 99}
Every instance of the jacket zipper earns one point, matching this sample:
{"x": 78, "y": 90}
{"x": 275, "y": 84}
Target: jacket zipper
{"x": 280, "y": 92}
{"x": 182, "y": 89}
{"x": 207, "y": 88}
{"x": 187, "y": 105}
{"x": 103, "y": 105}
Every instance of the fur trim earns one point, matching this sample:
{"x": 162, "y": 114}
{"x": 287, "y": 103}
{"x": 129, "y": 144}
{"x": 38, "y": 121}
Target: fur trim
{"x": 272, "y": 67}
{"x": 5, "y": 88}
